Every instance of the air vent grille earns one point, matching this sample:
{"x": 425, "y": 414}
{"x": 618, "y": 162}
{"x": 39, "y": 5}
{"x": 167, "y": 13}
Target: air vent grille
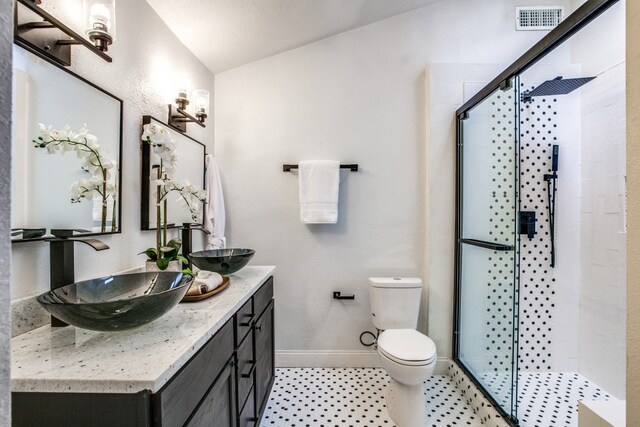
{"x": 538, "y": 17}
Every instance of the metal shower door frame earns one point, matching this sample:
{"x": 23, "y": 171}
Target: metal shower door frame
{"x": 570, "y": 26}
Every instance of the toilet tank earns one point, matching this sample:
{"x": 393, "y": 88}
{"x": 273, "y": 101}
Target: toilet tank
{"x": 395, "y": 302}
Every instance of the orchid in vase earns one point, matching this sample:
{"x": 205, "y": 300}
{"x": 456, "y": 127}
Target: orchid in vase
{"x": 165, "y": 183}
{"x": 87, "y": 148}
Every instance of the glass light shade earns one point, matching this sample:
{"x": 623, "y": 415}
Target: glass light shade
{"x": 100, "y": 15}
{"x": 201, "y": 102}
{"x": 183, "y": 87}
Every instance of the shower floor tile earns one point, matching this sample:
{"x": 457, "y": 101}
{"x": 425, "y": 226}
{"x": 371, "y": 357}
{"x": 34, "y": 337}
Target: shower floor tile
{"x": 551, "y": 398}
{"x": 317, "y": 397}
{"x": 546, "y": 398}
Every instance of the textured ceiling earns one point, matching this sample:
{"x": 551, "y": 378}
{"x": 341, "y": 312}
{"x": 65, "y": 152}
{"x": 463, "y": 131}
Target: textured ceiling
{"x": 228, "y": 33}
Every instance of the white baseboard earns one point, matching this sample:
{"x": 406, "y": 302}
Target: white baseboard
{"x": 339, "y": 359}
{"x": 442, "y": 366}
{"x": 327, "y": 359}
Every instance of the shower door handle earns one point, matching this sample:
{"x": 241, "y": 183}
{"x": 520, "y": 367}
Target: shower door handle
{"x": 487, "y": 245}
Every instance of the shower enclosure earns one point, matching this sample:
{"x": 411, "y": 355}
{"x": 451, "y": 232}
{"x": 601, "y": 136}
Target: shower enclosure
{"x": 539, "y": 194}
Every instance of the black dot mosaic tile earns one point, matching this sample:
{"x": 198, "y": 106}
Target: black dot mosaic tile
{"x": 343, "y": 397}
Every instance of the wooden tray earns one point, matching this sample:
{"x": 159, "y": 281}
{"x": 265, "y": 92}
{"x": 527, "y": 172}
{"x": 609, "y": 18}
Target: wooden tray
{"x": 196, "y": 298}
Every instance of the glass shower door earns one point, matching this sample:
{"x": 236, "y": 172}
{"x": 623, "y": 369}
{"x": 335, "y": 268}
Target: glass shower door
{"x": 487, "y": 277}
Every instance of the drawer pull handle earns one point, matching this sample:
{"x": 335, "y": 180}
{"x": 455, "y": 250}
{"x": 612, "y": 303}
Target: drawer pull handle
{"x": 253, "y": 368}
{"x": 248, "y": 322}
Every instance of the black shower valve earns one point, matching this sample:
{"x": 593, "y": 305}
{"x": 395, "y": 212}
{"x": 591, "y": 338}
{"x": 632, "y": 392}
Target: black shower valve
{"x": 528, "y": 223}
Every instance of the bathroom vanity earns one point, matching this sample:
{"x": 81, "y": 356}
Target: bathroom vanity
{"x": 209, "y": 363}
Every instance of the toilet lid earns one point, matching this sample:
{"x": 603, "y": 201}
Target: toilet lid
{"x": 407, "y": 346}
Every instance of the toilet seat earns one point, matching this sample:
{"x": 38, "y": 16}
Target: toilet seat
{"x": 407, "y": 347}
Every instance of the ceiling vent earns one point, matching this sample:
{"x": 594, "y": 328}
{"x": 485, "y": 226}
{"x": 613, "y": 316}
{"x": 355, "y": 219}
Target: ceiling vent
{"x": 537, "y": 18}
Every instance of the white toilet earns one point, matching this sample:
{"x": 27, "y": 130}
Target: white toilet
{"x": 408, "y": 356}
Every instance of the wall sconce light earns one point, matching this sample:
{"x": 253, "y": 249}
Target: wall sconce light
{"x": 44, "y": 35}
{"x": 201, "y": 97}
{"x": 100, "y": 18}
{"x": 178, "y": 115}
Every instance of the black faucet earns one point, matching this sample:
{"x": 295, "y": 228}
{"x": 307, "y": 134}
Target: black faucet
{"x": 187, "y": 228}
{"x": 62, "y": 259}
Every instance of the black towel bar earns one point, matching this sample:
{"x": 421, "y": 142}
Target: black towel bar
{"x": 353, "y": 167}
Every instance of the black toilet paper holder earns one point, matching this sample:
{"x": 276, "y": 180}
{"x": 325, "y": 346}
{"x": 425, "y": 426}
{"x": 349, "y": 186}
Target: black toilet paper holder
{"x": 338, "y": 295}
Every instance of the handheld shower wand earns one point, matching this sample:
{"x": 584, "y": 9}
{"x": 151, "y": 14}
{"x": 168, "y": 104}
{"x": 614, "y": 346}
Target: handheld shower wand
{"x": 551, "y": 197}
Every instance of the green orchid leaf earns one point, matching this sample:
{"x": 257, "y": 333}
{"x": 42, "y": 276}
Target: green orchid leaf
{"x": 175, "y": 243}
{"x": 163, "y": 263}
{"x": 151, "y": 253}
{"x": 169, "y": 252}
{"x": 182, "y": 259}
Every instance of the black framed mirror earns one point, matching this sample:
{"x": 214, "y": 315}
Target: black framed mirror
{"x": 189, "y": 166}
{"x": 69, "y": 179}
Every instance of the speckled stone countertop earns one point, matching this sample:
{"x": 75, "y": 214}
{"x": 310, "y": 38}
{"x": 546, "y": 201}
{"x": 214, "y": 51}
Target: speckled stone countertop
{"x": 74, "y": 360}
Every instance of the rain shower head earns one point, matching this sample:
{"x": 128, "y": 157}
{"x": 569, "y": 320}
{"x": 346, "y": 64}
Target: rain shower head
{"x": 557, "y": 86}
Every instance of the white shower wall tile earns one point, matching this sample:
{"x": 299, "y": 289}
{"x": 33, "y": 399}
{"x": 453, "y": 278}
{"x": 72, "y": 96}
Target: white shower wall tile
{"x": 603, "y": 289}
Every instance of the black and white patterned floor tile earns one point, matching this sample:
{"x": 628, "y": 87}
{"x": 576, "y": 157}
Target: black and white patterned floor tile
{"x": 329, "y": 397}
{"x": 547, "y": 398}
{"x": 551, "y": 398}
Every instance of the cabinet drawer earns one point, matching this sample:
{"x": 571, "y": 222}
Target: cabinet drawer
{"x": 263, "y": 297}
{"x": 177, "y": 400}
{"x": 247, "y": 416}
{"x": 244, "y": 318}
{"x": 246, "y": 367}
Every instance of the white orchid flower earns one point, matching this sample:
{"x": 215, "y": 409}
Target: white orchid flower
{"x": 87, "y": 149}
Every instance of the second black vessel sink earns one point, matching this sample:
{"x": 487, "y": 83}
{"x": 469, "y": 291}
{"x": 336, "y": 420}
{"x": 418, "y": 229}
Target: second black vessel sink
{"x": 223, "y": 261}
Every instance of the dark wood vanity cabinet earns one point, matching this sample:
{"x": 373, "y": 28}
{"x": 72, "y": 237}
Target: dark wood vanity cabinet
{"x": 225, "y": 384}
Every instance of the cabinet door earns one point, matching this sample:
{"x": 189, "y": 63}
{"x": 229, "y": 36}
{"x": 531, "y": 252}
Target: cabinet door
{"x": 179, "y": 399}
{"x": 247, "y": 417}
{"x": 264, "y": 348}
{"x": 217, "y": 408}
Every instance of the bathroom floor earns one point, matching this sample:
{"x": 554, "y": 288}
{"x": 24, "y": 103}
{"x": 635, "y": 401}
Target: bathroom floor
{"x": 551, "y": 398}
{"x": 350, "y": 397}
{"x": 548, "y": 398}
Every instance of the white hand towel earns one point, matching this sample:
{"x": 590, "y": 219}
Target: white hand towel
{"x": 214, "y": 214}
{"x": 319, "y": 182}
{"x": 205, "y": 282}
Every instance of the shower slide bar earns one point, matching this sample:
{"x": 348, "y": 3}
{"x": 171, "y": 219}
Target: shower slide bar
{"x": 487, "y": 245}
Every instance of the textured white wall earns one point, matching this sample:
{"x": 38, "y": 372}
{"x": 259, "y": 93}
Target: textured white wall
{"x": 6, "y": 37}
{"x": 600, "y": 49}
{"x": 633, "y": 211}
{"x": 145, "y": 55}
{"x": 358, "y": 97}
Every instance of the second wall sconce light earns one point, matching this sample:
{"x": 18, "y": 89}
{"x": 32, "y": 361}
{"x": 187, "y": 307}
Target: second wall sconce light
{"x": 178, "y": 114}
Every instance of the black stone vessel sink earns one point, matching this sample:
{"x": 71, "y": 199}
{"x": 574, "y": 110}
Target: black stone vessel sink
{"x": 115, "y": 303}
{"x": 223, "y": 261}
